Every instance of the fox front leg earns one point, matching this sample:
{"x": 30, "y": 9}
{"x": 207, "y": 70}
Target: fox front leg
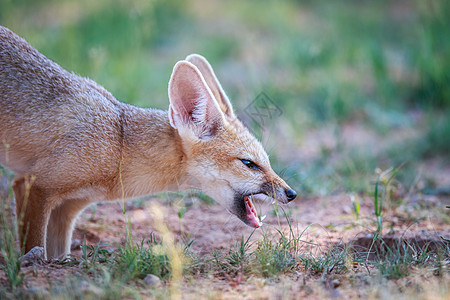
{"x": 33, "y": 212}
{"x": 60, "y": 226}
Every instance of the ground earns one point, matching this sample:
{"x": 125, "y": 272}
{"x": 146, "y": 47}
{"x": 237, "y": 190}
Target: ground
{"x": 320, "y": 223}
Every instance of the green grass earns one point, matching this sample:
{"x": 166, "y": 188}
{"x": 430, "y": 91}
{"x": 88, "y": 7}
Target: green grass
{"x": 400, "y": 260}
{"x": 10, "y": 255}
{"x": 382, "y": 193}
{"x": 9, "y": 250}
{"x": 138, "y": 260}
{"x": 334, "y": 260}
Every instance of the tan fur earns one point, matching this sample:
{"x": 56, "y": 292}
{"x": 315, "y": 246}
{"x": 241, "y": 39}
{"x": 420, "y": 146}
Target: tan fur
{"x": 71, "y": 143}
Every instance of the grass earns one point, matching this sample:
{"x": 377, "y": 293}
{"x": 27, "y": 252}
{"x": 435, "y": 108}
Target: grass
{"x": 333, "y": 260}
{"x": 400, "y": 260}
{"x": 380, "y": 196}
{"x": 9, "y": 250}
{"x": 11, "y": 265}
{"x": 138, "y": 260}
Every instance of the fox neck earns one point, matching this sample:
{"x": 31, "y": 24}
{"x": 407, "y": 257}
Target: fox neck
{"x": 152, "y": 154}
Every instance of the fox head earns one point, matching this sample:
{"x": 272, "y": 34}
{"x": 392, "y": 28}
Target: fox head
{"x": 222, "y": 157}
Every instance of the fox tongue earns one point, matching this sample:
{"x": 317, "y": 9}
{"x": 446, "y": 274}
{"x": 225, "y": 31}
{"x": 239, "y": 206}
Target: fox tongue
{"x": 252, "y": 216}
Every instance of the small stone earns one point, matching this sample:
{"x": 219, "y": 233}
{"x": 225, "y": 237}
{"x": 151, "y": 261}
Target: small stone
{"x": 35, "y": 255}
{"x": 75, "y": 245}
{"x": 335, "y": 283}
{"x": 89, "y": 289}
{"x": 38, "y": 292}
{"x": 83, "y": 286}
{"x": 152, "y": 280}
{"x": 346, "y": 209}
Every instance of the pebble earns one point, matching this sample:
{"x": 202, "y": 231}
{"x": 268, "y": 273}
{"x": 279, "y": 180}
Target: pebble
{"x": 75, "y": 245}
{"x": 335, "y": 283}
{"x": 38, "y": 292}
{"x": 152, "y": 280}
{"x": 88, "y": 288}
{"x": 35, "y": 255}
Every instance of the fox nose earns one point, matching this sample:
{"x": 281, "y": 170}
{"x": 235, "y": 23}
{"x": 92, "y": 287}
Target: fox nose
{"x": 290, "y": 194}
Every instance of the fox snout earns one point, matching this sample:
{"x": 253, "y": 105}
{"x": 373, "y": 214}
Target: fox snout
{"x": 284, "y": 194}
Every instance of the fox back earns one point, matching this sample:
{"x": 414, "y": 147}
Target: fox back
{"x": 71, "y": 143}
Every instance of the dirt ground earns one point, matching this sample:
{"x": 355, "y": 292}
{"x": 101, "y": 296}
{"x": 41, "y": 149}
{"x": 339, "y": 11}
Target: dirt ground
{"x": 321, "y": 223}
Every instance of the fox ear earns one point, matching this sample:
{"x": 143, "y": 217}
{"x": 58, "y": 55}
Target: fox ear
{"x": 192, "y": 104}
{"x": 205, "y": 68}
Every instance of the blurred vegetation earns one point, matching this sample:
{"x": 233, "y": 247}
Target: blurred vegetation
{"x": 363, "y": 86}
{"x": 383, "y": 65}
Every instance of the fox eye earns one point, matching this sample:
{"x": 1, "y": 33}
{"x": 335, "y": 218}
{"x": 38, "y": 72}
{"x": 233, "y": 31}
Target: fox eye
{"x": 250, "y": 164}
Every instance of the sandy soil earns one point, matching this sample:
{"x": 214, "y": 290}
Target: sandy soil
{"x": 321, "y": 223}
{"x": 319, "y": 220}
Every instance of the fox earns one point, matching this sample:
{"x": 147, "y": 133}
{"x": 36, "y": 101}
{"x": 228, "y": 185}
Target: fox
{"x": 70, "y": 143}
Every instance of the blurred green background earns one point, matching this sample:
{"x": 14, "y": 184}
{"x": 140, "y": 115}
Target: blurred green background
{"x": 361, "y": 84}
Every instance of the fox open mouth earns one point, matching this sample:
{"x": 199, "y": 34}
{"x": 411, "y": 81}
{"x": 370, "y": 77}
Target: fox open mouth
{"x": 251, "y": 214}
